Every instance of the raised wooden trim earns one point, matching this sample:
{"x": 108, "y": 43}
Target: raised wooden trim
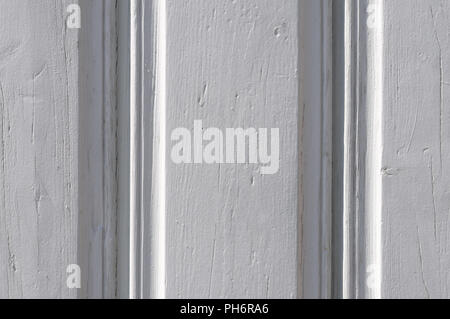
{"x": 136, "y": 89}
{"x": 147, "y": 167}
{"x": 357, "y": 89}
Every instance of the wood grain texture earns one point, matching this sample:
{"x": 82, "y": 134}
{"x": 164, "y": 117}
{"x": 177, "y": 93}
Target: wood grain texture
{"x": 395, "y": 203}
{"x": 57, "y": 149}
{"x": 39, "y": 147}
{"x": 226, "y": 231}
{"x": 232, "y": 232}
{"x": 416, "y": 176}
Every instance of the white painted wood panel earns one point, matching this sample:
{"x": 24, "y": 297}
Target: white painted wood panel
{"x": 416, "y": 146}
{"x": 39, "y": 110}
{"x": 229, "y": 230}
{"x": 358, "y": 89}
{"x": 57, "y": 109}
{"x": 390, "y": 80}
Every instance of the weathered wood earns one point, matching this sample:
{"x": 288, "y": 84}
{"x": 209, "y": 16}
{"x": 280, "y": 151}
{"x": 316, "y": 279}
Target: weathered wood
{"x": 57, "y": 202}
{"x": 231, "y": 231}
{"x": 225, "y": 230}
{"x": 416, "y": 146}
{"x": 39, "y": 147}
{"x": 394, "y": 208}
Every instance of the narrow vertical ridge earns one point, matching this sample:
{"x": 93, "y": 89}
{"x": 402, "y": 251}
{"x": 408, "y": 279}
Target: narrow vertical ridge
{"x": 362, "y": 140}
{"x": 374, "y": 75}
{"x": 135, "y": 148}
{"x": 123, "y": 148}
{"x": 326, "y": 166}
{"x": 349, "y": 153}
{"x": 147, "y": 149}
{"x": 158, "y": 218}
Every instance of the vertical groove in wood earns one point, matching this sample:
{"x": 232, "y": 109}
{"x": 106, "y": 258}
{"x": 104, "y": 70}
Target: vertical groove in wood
{"x": 326, "y": 159}
{"x": 316, "y": 142}
{"x": 123, "y": 149}
{"x": 97, "y": 225}
{"x": 110, "y": 177}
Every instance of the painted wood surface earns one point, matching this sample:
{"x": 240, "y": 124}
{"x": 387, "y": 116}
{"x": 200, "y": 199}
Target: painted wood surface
{"x": 230, "y": 231}
{"x": 57, "y": 149}
{"x": 225, "y": 230}
{"x": 390, "y": 60}
{"x": 416, "y": 146}
{"x": 39, "y": 110}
